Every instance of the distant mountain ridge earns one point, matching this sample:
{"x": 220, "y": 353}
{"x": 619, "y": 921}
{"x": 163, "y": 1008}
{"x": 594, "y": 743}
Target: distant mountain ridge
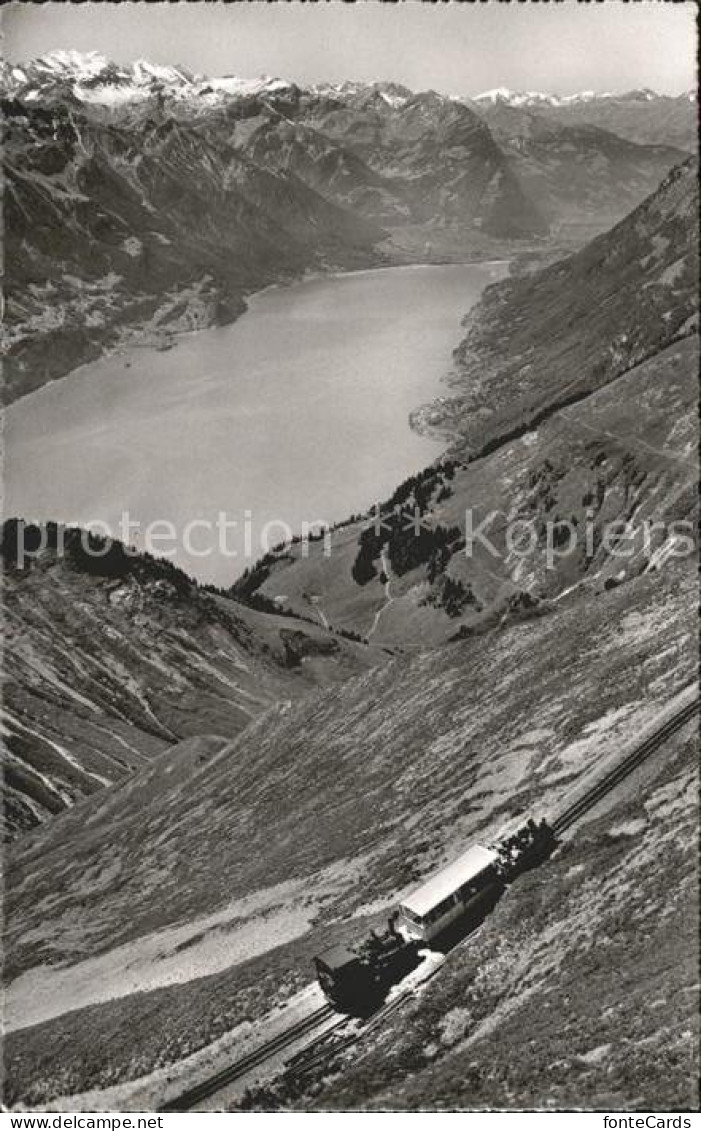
{"x": 92, "y": 78}
{"x": 586, "y": 97}
{"x": 641, "y": 116}
{"x": 91, "y": 71}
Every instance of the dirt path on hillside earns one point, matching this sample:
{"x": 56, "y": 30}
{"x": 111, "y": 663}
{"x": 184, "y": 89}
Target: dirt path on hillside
{"x": 388, "y": 595}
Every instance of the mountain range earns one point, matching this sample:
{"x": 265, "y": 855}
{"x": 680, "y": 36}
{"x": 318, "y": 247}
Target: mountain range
{"x": 141, "y": 200}
{"x": 642, "y": 116}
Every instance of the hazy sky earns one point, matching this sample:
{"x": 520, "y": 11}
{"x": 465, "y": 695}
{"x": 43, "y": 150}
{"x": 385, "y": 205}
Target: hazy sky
{"x": 455, "y": 48}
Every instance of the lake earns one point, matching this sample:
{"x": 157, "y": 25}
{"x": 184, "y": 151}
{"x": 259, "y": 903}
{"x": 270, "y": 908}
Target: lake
{"x": 298, "y": 411}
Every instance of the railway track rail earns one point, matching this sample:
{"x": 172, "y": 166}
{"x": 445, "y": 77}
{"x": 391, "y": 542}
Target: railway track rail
{"x": 229, "y": 1075}
{"x": 617, "y": 773}
{"x": 308, "y": 1059}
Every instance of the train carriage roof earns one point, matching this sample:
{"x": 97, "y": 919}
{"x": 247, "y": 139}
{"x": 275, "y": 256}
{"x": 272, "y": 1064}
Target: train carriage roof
{"x": 466, "y": 868}
{"x": 337, "y": 957}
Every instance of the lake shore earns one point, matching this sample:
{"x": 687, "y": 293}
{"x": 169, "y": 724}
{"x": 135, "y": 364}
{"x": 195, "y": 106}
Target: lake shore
{"x": 320, "y": 377}
{"x": 168, "y": 336}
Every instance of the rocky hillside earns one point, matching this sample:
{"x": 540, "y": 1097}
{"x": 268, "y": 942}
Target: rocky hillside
{"x": 577, "y": 179}
{"x": 578, "y": 173}
{"x": 574, "y": 405}
{"x": 232, "y": 787}
{"x": 144, "y": 200}
{"x": 436, "y": 158}
{"x": 111, "y": 661}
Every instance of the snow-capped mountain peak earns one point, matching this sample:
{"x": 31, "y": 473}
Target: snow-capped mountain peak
{"x": 145, "y": 72}
{"x": 231, "y": 84}
{"x": 501, "y": 95}
{"x": 515, "y": 97}
{"x": 91, "y": 78}
{"x": 76, "y": 65}
{"x": 392, "y": 93}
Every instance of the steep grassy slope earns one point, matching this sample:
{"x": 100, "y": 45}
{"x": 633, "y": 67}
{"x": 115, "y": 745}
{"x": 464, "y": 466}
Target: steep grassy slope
{"x": 538, "y": 507}
{"x": 109, "y": 661}
{"x": 313, "y": 814}
{"x": 580, "y": 992}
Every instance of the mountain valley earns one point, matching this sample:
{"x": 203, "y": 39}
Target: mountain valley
{"x": 204, "y": 785}
{"x": 175, "y": 196}
{"x": 573, "y": 402}
{"x": 642, "y": 116}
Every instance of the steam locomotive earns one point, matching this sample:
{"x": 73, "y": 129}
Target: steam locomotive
{"x": 356, "y": 979}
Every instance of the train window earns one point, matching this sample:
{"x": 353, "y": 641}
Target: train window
{"x": 441, "y": 908}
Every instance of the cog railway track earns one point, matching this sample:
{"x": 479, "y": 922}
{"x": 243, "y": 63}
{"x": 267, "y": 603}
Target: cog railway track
{"x": 319, "y": 1052}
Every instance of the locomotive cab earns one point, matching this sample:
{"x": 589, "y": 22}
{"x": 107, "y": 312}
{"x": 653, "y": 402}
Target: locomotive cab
{"x": 357, "y": 980}
{"x": 344, "y": 978}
